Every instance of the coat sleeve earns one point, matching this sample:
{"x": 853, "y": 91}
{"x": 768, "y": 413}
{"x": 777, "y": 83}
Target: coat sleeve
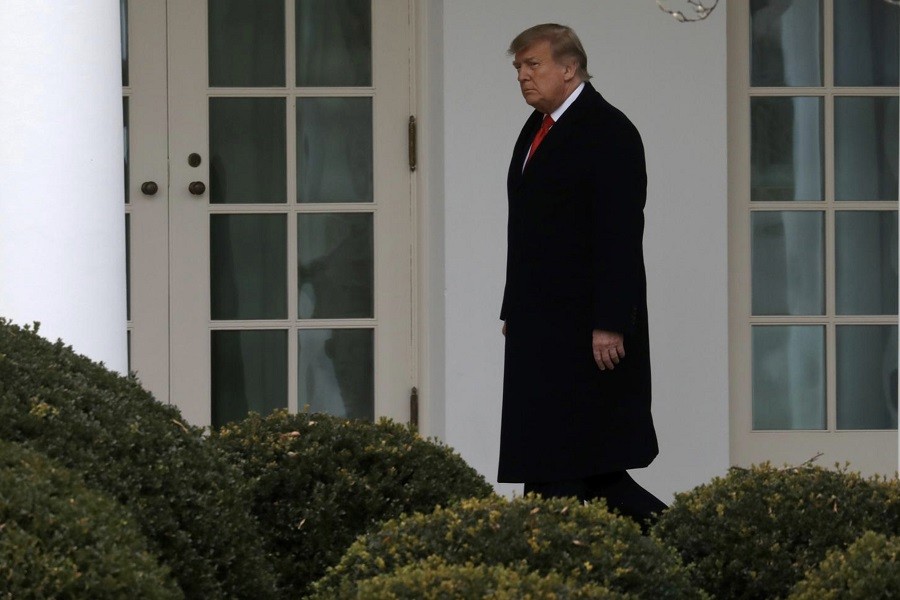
{"x": 618, "y": 197}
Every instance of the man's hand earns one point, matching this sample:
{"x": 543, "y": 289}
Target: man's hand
{"x": 504, "y": 329}
{"x": 609, "y": 349}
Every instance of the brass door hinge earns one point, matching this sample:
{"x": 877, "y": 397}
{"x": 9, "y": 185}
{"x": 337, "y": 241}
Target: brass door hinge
{"x": 412, "y": 143}
{"x": 414, "y": 408}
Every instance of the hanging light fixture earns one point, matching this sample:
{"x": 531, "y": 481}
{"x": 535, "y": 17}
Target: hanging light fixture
{"x": 701, "y": 10}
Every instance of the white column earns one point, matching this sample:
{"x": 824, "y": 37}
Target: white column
{"x": 62, "y": 238}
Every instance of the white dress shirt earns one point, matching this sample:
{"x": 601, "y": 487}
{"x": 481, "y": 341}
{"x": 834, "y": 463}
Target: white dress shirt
{"x": 556, "y": 114}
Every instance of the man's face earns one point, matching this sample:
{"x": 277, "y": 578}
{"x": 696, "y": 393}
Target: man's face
{"x": 545, "y": 83}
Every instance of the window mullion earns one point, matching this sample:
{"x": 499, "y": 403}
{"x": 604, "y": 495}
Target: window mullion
{"x": 830, "y": 268}
{"x": 830, "y": 333}
{"x": 828, "y": 44}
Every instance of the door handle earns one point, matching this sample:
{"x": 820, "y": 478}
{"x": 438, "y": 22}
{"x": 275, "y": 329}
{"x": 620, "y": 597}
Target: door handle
{"x": 197, "y": 188}
{"x": 149, "y": 188}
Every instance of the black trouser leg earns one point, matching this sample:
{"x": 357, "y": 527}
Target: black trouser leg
{"x": 558, "y": 489}
{"x": 622, "y": 494}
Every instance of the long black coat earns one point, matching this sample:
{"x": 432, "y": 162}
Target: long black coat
{"x": 575, "y": 264}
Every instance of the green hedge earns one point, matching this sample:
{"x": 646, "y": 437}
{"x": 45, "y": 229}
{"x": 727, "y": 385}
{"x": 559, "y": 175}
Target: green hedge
{"x": 756, "y": 532}
{"x": 434, "y": 579}
{"x": 585, "y": 544}
{"x": 320, "y": 481}
{"x": 868, "y": 570}
{"x": 58, "y": 539}
{"x": 189, "y": 501}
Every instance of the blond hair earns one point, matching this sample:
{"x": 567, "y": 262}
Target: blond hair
{"x": 563, "y": 42}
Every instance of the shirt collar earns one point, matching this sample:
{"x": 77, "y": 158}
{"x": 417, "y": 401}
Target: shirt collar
{"x": 556, "y": 114}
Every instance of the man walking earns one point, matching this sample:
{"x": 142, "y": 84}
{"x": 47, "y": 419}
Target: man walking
{"x": 576, "y": 386}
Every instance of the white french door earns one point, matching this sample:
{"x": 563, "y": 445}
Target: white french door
{"x": 813, "y": 186}
{"x": 288, "y": 233}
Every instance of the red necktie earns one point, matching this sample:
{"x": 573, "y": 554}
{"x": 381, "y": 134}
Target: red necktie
{"x": 546, "y": 124}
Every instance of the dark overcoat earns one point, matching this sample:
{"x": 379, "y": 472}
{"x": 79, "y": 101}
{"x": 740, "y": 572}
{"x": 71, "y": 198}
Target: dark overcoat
{"x": 575, "y": 264}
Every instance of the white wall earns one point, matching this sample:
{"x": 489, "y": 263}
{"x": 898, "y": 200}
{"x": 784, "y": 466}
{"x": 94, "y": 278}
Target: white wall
{"x": 62, "y": 226}
{"x": 431, "y": 218}
{"x": 669, "y": 78}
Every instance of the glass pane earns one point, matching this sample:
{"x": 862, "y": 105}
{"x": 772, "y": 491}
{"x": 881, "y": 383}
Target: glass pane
{"x": 336, "y": 372}
{"x": 123, "y": 26}
{"x": 248, "y": 266}
{"x": 249, "y": 372}
{"x": 788, "y": 262}
{"x": 865, "y": 43}
{"x": 128, "y": 266}
{"x": 867, "y": 377}
{"x": 247, "y": 150}
{"x": 334, "y": 149}
{"x": 866, "y": 256}
{"x": 125, "y": 118}
{"x": 786, "y": 43}
{"x": 246, "y": 43}
{"x": 788, "y": 377}
{"x": 865, "y": 143}
{"x": 336, "y": 276}
{"x": 334, "y": 43}
{"x": 786, "y": 148}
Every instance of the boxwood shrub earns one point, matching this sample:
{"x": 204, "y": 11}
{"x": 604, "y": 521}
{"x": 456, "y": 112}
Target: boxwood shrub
{"x": 755, "y": 532}
{"x": 583, "y": 543}
{"x": 434, "y": 579}
{"x": 320, "y": 481}
{"x": 868, "y": 570}
{"x": 59, "y": 539}
{"x": 190, "y": 503}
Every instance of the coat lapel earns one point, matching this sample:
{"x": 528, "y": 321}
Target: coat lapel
{"x": 556, "y": 137}
{"x": 528, "y": 132}
{"x": 562, "y": 129}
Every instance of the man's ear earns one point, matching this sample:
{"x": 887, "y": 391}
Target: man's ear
{"x": 570, "y": 70}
